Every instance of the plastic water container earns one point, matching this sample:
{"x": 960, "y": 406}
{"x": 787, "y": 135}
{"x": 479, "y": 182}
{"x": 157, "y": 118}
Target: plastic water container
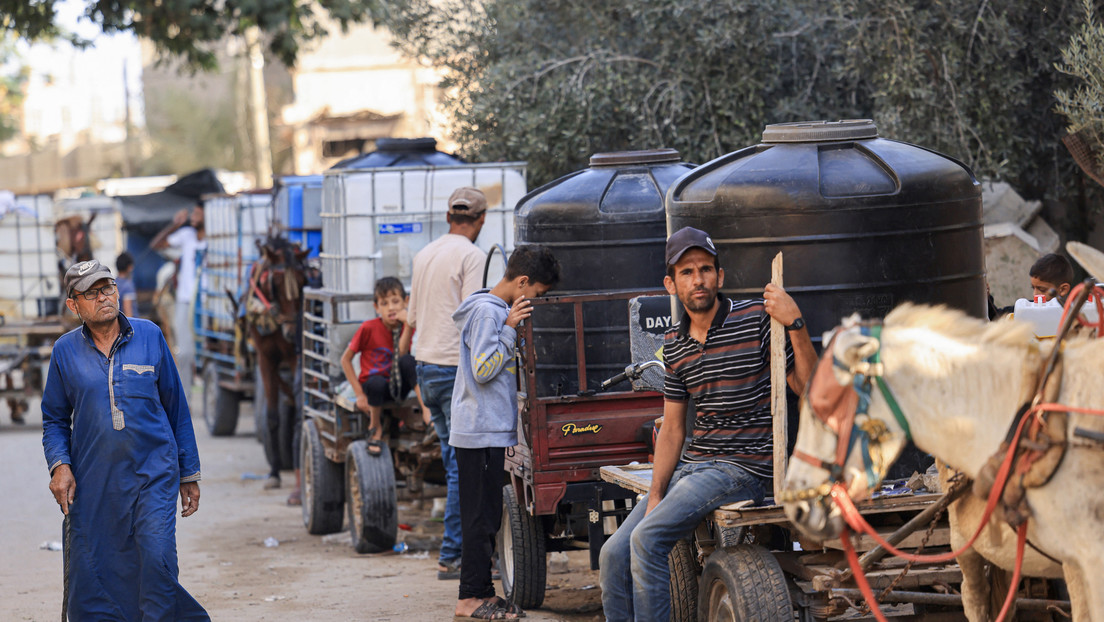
{"x": 1045, "y": 316}
{"x": 375, "y": 220}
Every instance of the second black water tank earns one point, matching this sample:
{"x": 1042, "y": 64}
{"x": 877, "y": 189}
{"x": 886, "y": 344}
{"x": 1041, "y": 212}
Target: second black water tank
{"x": 864, "y": 223}
{"x": 607, "y": 227}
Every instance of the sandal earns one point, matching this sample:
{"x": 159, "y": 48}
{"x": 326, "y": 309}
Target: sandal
{"x": 489, "y": 610}
{"x": 375, "y": 447}
{"x": 509, "y": 607}
{"x": 448, "y": 570}
{"x": 295, "y": 498}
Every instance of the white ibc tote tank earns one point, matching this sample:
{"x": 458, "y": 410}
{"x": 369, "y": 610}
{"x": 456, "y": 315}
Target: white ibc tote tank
{"x": 375, "y": 220}
{"x": 28, "y": 256}
{"x": 232, "y": 223}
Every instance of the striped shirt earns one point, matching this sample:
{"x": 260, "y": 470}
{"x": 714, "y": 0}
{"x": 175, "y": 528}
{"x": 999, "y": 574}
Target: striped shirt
{"x": 729, "y": 379}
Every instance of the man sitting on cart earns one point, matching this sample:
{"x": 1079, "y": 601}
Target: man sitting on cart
{"x": 719, "y": 355}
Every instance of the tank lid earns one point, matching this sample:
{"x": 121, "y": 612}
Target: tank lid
{"x": 416, "y": 145}
{"x": 820, "y": 131}
{"x": 626, "y": 158}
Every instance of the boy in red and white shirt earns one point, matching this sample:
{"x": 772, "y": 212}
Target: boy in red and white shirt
{"x": 378, "y": 341}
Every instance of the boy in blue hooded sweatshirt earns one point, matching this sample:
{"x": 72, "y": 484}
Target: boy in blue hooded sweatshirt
{"x": 484, "y": 418}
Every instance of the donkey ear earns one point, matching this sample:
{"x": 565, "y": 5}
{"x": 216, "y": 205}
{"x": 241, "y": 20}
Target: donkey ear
{"x": 301, "y": 255}
{"x": 267, "y": 253}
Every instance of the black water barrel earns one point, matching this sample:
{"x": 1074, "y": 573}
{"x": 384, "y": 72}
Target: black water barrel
{"x": 864, "y": 223}
{"x": 401, "y": 152}
{"x": 607, "y": 227}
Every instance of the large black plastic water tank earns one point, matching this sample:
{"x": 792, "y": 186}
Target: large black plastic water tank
{"x": 864, "y": 223}
{"x": 607, "y": 227}
{"x": 401, "y": 152}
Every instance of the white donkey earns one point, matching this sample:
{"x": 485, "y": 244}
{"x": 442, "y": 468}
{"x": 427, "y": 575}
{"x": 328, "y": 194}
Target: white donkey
{"x": 959, "y": 382}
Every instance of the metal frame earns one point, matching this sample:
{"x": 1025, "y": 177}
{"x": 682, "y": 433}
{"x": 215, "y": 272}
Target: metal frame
{"x": 550, "y": 477}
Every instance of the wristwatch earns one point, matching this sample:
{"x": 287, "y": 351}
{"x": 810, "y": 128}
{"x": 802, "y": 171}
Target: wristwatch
{"x": 798, "y": 324}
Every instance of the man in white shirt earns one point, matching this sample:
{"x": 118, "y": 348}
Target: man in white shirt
{"x": 446, "y": 271}
{"x": 185, "y": 233}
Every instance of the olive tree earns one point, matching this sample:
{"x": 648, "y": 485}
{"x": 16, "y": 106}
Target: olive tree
{"x": 553, "y": 81}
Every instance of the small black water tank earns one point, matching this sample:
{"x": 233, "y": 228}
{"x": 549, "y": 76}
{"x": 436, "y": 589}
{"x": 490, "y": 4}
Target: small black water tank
{"x": 394, "y": 152}
{"x": 607, "y": 227}
{"x": 864, "y": 223}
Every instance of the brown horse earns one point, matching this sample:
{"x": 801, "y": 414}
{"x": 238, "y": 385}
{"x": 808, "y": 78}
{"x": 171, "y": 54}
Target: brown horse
{"x": 274, "y": 320}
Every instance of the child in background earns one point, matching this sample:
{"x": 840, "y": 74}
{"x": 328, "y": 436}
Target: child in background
{"x": 384, "y": 347}
{"x": 128, "y": 296}
{"x": 1052, "y": 272}
{"x": 484, "y": 418}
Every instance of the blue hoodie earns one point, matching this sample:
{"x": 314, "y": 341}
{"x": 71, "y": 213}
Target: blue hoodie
{"x": 484, "y": 399}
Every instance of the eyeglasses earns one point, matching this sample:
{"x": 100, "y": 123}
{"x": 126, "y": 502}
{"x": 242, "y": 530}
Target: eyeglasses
{"x": 92, "y": 294}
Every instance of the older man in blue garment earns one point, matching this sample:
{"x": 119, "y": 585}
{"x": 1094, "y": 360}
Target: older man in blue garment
{"x": 119, "y": 443}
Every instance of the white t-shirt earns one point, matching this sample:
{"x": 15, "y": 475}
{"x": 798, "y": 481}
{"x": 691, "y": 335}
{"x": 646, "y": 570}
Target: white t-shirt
{"x": 446, "y": 271}
{"x": 188, "y": 242}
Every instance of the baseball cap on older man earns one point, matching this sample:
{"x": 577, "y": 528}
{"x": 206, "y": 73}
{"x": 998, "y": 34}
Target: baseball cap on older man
{"x": 686, "y": 238}
{"x": 82, "y": 275}
{"x": 467, "y": 201}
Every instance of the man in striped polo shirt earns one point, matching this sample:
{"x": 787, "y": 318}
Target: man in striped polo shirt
{"x": 719, "y": 355}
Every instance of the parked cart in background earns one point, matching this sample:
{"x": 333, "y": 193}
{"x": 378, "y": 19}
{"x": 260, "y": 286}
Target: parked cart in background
{"x": 374, "y": 220}
{"x": 30, "y": 302}
{"x": 233, "y": 225}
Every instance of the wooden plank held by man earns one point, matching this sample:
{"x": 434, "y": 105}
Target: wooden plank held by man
{"x": 778, "y": 386}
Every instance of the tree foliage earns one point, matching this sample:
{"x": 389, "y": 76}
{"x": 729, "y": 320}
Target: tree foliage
{"x": 188, "y": 28}
{"x": 1083, "y": 106}
{"x": 13, "y": 77}
{"x": 553, "y": 81}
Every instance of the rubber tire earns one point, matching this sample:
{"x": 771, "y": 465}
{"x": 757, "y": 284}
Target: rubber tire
{"x": 522, "y": 561}
{"x": 220, "y": 405}
{"x": 741, "y": 583}
{"x": 323, "y": 485}
{"x": 685, "y": 570}
{"x": 370, "y": 498}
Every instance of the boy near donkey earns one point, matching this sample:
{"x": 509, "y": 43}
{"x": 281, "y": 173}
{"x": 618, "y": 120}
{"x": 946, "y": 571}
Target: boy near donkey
{"x": 386, "y": 366}
{"x": 484, "y": 418}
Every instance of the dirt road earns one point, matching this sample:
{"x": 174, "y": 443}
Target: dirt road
{"x": 224, "y": 561}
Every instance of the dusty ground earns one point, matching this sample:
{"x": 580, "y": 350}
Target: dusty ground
{"x": 223, "y": 559}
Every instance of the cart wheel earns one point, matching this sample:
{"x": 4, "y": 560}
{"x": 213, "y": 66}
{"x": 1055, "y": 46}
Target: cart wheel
{"x": 323, "y": 485}
{"x": 744, "y": 583}
{"x": 521, "y": 553}
{"x": 685, "y": 570}
{"x": 370, "y": 496}
{"x": 220, "y": 405}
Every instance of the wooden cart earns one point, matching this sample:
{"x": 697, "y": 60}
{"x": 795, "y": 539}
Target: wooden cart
{"x": 338, "y": 472}
{"x": 747, "y": 563}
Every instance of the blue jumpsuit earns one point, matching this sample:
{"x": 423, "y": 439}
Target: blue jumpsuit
{"x": 122, "y": 423}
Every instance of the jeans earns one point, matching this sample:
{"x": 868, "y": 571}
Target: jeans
{"x": 635, "y": 577}
{"x": 481, "y": 514}
{"x": 436, "y": 382}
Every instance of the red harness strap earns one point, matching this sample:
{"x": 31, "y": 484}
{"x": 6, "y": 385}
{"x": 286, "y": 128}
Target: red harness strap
{"x": 857, "y": 522}
{"x": 257, "y": 291}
